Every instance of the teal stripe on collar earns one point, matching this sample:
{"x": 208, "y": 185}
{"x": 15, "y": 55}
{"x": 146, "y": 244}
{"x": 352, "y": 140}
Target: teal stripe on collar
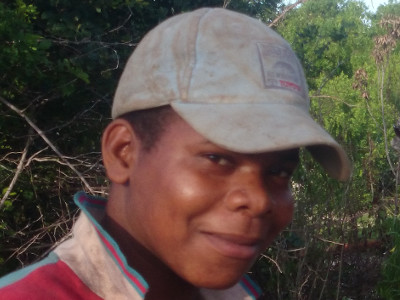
{"x": 251, "y": 287}
{"x": 85, "y": 202}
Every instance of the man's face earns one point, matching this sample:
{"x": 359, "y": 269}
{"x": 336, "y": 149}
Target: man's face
{"x": 205, "y": 211}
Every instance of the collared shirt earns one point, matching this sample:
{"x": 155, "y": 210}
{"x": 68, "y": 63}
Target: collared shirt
{"x": 90, "y": 266}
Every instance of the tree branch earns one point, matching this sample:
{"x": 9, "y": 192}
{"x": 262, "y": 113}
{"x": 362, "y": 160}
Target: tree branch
{"x": 20, "y": 167}
{"x": 48, "y": 142}
{"x": 226, "y": 3}
{"x": 285, "y": 11}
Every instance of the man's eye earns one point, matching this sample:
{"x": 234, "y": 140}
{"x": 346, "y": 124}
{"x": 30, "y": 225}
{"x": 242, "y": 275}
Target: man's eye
{"x": 281, "y": 173}
{"x": 219, "y": 159}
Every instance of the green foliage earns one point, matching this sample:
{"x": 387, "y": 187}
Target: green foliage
{"x": 389, "y": 286}
{"x": 326, "y": 43}
{"x": 60, "y": 62}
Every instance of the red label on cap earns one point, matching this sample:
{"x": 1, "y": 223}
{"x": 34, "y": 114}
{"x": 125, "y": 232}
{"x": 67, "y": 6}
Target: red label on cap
{"x": 290, "y": 85}
{"x": 281, "y": 68}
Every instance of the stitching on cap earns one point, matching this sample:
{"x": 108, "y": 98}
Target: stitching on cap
{"x": 189, "y": 84}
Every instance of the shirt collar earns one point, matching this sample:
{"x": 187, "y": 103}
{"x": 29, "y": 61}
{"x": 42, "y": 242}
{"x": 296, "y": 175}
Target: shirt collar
{"x": 94, "y": 208}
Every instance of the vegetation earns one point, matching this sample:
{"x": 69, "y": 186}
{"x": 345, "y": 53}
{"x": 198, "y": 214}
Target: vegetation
{"x": 60, "y": 61}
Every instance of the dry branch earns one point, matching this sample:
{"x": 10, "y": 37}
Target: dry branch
{"x": 48, "y": 142}
{"x": 285, "y": 11}
{"x": 17, "y": 172}
{"x": 274, "y": 262}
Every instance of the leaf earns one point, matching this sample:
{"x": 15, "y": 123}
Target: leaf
{"x": 44, "y": 44}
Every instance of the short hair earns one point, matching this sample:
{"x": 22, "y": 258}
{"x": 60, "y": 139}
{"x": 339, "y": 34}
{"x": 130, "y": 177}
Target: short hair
{"x": 149, "y": 124}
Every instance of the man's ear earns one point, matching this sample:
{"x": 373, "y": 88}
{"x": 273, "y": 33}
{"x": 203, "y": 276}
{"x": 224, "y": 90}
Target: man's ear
{"x": 119, "y": 147}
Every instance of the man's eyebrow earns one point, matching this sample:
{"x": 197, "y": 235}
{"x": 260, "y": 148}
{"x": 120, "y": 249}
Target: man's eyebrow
{"x": 286, "y": 156}
{"x": 207, "y": 142}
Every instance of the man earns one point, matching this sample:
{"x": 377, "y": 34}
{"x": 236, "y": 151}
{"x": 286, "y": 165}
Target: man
{"x": 209, "y": 116}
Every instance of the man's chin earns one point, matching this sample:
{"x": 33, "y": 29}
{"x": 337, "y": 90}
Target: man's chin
{"x": 214, "y": 282}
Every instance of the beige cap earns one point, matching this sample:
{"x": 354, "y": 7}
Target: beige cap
{"x": 233, "y": 79}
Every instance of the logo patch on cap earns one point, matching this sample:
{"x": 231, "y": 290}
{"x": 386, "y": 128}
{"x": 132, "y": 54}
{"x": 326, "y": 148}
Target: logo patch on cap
{"x": 281, "y": 69}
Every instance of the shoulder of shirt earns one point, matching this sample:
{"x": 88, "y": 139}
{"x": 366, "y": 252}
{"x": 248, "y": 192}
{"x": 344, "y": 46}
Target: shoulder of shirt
{"x": 42, "y": 280}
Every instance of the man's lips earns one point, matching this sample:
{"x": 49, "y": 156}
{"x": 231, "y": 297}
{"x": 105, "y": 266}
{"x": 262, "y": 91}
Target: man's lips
{"x": 235, "y": 246}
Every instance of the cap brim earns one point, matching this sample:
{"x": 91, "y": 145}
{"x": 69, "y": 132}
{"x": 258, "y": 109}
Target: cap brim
{"x": 260, "y": 128}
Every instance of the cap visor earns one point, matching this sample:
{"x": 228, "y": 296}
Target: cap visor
{"x": 260, "y": 128}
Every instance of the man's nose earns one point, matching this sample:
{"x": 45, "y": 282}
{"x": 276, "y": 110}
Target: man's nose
{"x": 249, "y": 194}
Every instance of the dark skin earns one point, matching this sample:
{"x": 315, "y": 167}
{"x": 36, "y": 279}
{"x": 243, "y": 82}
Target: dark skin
{"x": 117, "y": 143}
{"x": 189, "y": 213}
{"x": 163, "y": 283}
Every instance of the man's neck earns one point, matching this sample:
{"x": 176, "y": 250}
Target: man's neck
{"x": 163, "y": 282}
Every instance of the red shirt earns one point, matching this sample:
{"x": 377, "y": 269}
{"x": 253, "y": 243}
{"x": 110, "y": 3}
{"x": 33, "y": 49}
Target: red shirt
{"x": 91, "y": 266}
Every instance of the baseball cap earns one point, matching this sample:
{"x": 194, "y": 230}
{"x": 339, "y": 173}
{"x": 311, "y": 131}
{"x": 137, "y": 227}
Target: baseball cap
{"x": 234, "y": 80}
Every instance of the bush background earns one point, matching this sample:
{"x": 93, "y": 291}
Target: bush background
{"x": 60, "y": 61}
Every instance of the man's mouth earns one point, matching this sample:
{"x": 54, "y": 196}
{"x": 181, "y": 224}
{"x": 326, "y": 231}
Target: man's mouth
{"x": 235, "y": 246}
